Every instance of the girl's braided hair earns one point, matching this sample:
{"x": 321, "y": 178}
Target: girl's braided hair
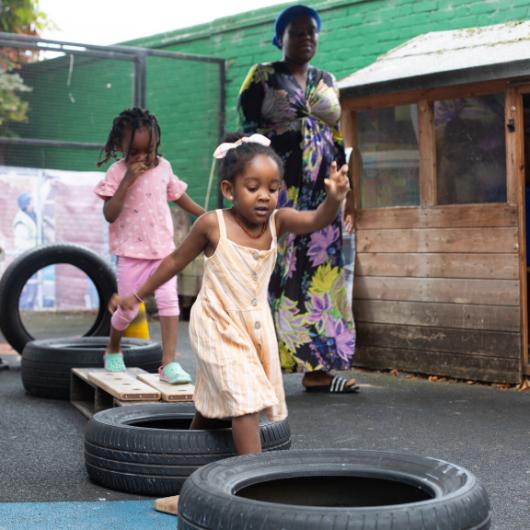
{"x": 131, "y": 120}
{"x": 233, "y": 164}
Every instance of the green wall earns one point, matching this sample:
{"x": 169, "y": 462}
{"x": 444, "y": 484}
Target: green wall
{"x": 184, "y": 95}
{"x": 354, "y": 33}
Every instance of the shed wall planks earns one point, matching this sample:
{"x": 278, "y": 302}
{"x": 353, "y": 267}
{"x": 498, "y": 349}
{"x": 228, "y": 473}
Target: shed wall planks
{"x": 466, "y": 316}
{"x": 498, "y": 292}
{"x": 484, "y": 266}
{"x": 480, "y": 367}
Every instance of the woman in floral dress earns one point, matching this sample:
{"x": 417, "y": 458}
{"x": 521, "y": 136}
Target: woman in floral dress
{"x": 296, "y": 105}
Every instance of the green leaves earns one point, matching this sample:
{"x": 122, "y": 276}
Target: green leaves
{"x": 12, "y": 107}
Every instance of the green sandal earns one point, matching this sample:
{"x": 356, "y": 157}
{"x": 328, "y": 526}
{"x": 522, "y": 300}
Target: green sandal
{"x": 113, "y": 362}
{"x": 174, "y": 374}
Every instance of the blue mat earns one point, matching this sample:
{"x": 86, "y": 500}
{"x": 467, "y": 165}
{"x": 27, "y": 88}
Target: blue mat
{"x": 104, "y": 515}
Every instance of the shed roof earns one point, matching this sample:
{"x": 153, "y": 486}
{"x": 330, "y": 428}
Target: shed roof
{"x": 443, "y": 58}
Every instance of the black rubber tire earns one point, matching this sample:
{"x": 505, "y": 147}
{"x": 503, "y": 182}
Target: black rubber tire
{"x": 27, "y": 264}
{"x": 46, "y": 364}
{"x": 156, "y": 461}
{"x": 209, "y": 500}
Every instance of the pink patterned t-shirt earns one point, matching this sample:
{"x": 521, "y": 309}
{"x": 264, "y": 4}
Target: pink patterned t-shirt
{"x": 144, "y": 228}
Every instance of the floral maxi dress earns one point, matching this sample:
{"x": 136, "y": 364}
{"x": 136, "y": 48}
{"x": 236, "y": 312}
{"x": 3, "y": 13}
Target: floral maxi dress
{"x": 310, "y": 305}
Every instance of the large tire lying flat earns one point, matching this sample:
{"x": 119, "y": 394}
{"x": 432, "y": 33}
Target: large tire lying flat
{"x": 332, "y": 489}
{"x": 46, "y": 364}
{"x": 149, "y": 449}
{"x": 32, "y": 261}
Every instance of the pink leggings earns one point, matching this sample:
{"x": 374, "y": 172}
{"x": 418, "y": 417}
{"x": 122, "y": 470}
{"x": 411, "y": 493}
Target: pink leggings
{"x": 132, "y": 273}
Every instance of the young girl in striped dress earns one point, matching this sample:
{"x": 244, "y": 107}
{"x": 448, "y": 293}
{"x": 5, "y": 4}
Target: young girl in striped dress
{"x": 231, "y": 329}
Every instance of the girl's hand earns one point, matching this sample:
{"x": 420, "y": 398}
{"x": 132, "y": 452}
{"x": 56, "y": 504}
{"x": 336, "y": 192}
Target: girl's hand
{"x": 134, "y": 170}
{"x": 127, "y": 303}
{"x": 338, "y": 184}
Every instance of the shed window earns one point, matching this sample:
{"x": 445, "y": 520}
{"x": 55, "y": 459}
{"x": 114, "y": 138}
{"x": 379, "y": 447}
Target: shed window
{"x": 388, "y": 141}
{"x": 470, "y": 149}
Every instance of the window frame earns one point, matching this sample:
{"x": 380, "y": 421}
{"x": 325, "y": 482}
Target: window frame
{"x": 424, "y": 101}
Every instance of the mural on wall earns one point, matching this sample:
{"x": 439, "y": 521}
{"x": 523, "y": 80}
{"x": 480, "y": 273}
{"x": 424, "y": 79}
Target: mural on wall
{"x": 46, "y": 206}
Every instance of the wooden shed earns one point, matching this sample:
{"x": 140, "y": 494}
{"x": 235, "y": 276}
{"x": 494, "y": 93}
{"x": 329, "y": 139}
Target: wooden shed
{"x": 439, "y": 128}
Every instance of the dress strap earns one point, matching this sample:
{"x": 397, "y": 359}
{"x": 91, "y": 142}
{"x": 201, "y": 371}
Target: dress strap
{"x": 222, "y": 225}
{"x": 272, "y": 225}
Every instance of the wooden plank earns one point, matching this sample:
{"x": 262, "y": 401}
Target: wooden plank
{"x": 167, "y": 391}
{"x": 83, "y": 373}
{"x": 476, "y": 367}
{"x": 456, "y": 291}
{"x": 347, "y": 128}
{"x": 512, "y": 156}
{"x": 494, "y": 240}
{"x": 119, "y": 403}
{"x": 355, "y": 165}
{"x": 168, "y": 505}
{"x": 427, "y": 147}
{"x": 423, "y": 338}
{"x": 520, "y": 176}
{"x": 123, "y": 385}
{"x": 466, "y": 316}
{"x": 446, "y": 216}
{"x": 428, "y": 265}
{"x": 412, "y": 96}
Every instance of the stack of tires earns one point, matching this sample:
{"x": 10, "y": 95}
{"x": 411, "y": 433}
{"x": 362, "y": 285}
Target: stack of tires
{"x": 148, "y": 449}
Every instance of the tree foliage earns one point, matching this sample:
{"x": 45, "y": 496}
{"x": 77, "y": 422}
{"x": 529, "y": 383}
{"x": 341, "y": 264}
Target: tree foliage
{"x": 21, "y": 17}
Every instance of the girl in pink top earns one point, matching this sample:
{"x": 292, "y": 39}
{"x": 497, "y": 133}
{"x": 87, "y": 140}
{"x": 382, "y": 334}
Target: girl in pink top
{"x": 136, "y": 191}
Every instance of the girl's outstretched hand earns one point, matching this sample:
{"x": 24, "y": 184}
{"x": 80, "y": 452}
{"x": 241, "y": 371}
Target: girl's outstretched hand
{"x": 338, "y": 184}
{"x": 125, "y": 302}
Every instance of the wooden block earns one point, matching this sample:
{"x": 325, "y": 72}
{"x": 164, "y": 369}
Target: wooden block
{"x": 168, "y": 504}
{"x": 169, "y": 392}
{"x": 123, "y": 385}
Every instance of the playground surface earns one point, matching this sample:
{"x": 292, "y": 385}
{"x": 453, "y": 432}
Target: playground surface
{"x": 485, "y": 429}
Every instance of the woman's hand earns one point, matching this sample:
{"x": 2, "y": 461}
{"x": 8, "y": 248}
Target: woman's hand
{"x": 127, "y": 303}
{"x": 338, "y": 184}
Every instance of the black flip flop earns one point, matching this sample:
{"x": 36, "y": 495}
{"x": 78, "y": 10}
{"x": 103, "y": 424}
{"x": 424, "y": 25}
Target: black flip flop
{"x": 336, "y": 386}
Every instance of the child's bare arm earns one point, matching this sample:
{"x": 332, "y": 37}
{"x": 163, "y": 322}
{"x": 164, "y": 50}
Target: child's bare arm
{"x": 114, "y": 205}
{"x": 195, "y": 243}
{"x": 291, "y": 220}
{"x": 189, "y": 205}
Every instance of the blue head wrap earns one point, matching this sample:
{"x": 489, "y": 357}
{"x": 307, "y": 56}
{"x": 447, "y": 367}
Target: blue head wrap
{"x": 287, "y": 15}
{"x": 23, "y": 200}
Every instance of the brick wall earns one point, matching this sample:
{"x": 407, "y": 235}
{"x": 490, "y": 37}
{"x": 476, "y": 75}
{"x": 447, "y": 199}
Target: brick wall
{"x": 354, "y": 33}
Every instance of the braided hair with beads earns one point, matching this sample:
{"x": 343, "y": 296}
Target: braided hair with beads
{"x": 127, "y": 123}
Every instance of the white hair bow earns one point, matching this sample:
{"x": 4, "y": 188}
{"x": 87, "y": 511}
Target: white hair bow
{"x": 223, "y": 148}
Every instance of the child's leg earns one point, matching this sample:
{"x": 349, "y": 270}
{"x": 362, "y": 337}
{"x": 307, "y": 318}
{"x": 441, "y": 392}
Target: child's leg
{"x": 169, "y": 327}
{"x": 245, "y": 430}
{"x": 201, "y": 423}
{"x": 114, "y": 344}
{"x": 168, "y": 310}
{"x": 130, "y": 275}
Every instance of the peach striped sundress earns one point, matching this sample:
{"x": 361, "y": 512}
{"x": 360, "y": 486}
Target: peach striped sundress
{"x": 232, "y": 333}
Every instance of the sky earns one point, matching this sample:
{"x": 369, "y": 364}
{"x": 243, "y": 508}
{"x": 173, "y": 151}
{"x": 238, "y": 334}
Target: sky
{"x": 112, "y": 21}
